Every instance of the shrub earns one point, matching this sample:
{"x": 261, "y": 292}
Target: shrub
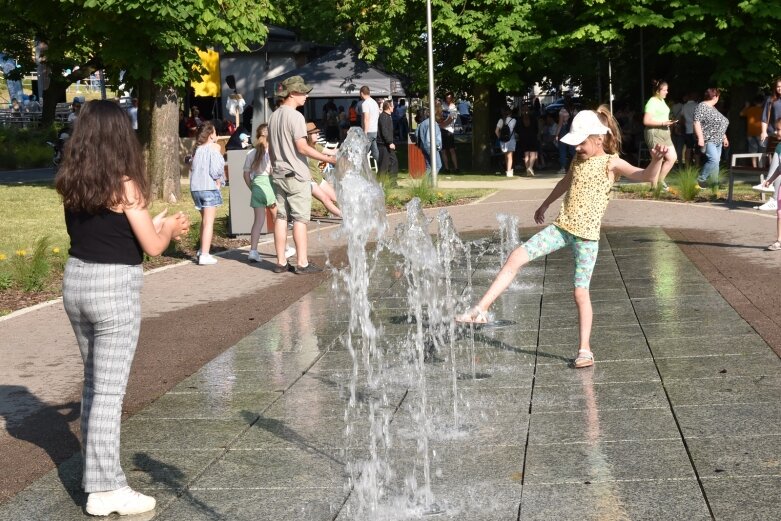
{"x": 31, "y": 272}
{"x": 687, "y": 183}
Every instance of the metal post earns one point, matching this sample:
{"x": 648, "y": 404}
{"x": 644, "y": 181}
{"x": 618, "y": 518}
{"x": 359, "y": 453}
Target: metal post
{"x": 610, "y": 83}
{"x": 432, "y": 112}
{"x": 102, "y": 78}
{"x": 642, "y": 71}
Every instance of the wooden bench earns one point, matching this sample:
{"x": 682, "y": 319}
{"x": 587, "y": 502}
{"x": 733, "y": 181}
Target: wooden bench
{"x": 742, "y": 169}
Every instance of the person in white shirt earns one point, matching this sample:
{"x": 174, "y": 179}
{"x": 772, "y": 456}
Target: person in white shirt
{"x": 132, "y": 111}
{"x": 370, "y": 115}
{"x": 448, "y": 126}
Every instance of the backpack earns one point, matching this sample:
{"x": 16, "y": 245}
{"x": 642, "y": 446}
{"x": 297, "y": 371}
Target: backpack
{"x": 352, "y": 115}
{"x": 505, "y": 133}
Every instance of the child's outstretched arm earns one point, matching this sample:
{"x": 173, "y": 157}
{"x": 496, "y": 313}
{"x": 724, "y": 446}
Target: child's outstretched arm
{"x": 651, "y": 172}
{"x": 558, "y": 190}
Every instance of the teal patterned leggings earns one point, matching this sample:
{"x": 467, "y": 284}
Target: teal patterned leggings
{"x": 552, "y": 238}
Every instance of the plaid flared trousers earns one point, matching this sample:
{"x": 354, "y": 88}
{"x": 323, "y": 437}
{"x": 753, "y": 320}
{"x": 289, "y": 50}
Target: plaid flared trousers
{"x": 103, "y": 303}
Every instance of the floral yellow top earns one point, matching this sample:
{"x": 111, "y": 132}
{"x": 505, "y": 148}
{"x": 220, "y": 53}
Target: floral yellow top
{"x": 586, "y": 200}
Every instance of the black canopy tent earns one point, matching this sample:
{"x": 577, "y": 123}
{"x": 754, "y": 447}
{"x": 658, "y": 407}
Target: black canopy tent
{"x": 340, "y": 74}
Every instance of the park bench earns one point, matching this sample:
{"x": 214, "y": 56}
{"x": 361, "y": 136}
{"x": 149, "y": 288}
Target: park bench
{"x": 744, "y": 169}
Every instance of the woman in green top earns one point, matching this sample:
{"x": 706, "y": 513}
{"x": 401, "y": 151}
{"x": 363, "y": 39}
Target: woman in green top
{"x": 657, "y": 128}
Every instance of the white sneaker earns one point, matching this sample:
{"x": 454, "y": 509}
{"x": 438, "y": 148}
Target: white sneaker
{"x": 509, "y": 173}
{"x": 253, "y": 256}
{"x": 206, "y": 259}
{"x": 124, "y": 501}
{"x": 769, "y": 206}
{"x": 561, "y": 171}
{"x": 762, "y": 188}
{"x": 289, "y": 252}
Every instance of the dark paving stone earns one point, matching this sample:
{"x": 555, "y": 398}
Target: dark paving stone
{"x": 598, "y": 462}
{"x": 754, "y": 364}
{"x": 278, "y": 467}
{"x": 601, "y": 396}
{"x": 208, "y": 406}
{"x": 700, "y": 329}
{"x": 748, "y": 456}
{"x": 632, "y": 347}
{"x": 171, "y": 470}
{"x": 601, "y": 307}
{"x": 569, "y": 321}
{"x": 141, "y": 434}
{"x": 708, "y": 345}
{"x": 601, "y": 372}
{"x": 729, "y": 420}
{"x": 605, "y": 331}
{"x": 727, "y": 390}
{"x": 596, "y": 295}
{"x": 614, "y": 501}
{"x": 744, "y": 499}
{"x": 647, "y": 287}
{"x": 286, "y": 504}
{"x": 610, "y": 425}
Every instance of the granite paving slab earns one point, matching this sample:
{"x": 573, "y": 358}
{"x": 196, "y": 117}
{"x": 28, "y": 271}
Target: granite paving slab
{"x": 679, "y": 415}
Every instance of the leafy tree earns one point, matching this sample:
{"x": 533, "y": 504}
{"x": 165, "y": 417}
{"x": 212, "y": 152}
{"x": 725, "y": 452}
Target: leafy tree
{"x": 68, "y": 55}
{"x": 155, "y": 44}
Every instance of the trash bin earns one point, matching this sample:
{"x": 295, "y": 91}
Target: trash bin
{"x": 417, "y": 163}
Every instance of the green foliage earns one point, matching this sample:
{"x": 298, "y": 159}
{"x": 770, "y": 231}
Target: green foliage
{"x": 6, "y": 280}
{"x": 157, "y": 40}
{"x": 24, "y": 148}
{"x": 31, "y": 272}
{"x": 687, "y": 183}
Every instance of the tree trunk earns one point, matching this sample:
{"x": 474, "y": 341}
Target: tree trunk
{"x": 482, "y": 131}
{"x": 146, "y": 92}
{"x": 55, "y": 91}
{"x": 163, "y": 156}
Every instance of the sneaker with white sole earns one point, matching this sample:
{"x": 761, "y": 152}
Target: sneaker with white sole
{"x": 289, "y": 252}
{"x": 770, "y": 206}
{"x": 124, "y": 501}
{"x": 206, "y": 259}
{"x": 762, "y": 188}
{"x": 253, "y": 256}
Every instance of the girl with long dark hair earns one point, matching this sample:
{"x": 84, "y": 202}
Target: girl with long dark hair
{"x": 105, "y": 193}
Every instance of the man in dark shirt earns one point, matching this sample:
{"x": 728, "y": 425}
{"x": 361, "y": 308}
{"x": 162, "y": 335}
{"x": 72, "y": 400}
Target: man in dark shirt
{"x": 388, "y": 163}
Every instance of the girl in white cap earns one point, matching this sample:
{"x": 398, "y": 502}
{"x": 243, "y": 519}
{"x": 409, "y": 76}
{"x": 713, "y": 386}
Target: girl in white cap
{"x": 588, "y": 182}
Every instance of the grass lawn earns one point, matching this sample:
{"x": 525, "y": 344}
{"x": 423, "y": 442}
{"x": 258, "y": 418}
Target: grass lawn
{"x": 32, "y": 213}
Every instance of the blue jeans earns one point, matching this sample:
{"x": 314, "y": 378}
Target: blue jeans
{"x": 710, "y": 169}
{"x": 373, "y": 148}
{"x": 427, "y": 158}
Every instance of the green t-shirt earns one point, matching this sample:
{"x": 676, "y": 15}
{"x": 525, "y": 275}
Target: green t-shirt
{"x": 658, "y": 109}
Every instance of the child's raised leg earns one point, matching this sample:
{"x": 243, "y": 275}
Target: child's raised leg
{"x": 547, "y": 240}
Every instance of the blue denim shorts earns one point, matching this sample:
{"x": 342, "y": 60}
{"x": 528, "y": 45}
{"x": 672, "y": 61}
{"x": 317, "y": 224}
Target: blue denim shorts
{"x": 206, "y": 198}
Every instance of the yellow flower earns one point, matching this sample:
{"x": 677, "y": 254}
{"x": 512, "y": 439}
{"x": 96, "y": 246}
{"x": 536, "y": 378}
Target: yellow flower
{"x": 2, "y": 256}
{"x": 55, "y": 250}
{"x": 439, "y": 194}
{"x": 21, "y": 253}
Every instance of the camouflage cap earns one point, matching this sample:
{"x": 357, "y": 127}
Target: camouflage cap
{"x": 293, "y": 84}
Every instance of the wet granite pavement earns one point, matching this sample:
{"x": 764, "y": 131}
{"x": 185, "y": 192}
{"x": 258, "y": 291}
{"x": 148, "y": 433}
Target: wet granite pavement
{"x": 678, "y": 419}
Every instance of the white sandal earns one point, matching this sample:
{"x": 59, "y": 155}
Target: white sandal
{"x": 585, "y": 358}
{"x": 473, "y": 316}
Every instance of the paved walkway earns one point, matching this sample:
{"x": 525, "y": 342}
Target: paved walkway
{"x": 678, "y": 420}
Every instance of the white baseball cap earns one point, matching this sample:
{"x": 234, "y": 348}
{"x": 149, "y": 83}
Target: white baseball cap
{"x": 585, "y": 123}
